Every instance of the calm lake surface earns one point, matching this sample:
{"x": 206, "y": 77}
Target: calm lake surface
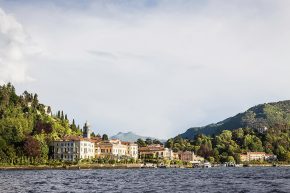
{"x": 148, "y": 180}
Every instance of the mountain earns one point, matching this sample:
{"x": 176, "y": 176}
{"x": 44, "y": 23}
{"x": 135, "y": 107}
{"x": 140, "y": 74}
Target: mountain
{"x": 270, "y": 115}
{"x": 131, "y": 137}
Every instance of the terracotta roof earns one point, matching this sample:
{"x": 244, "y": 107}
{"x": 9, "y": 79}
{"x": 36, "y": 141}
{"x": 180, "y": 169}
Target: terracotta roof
{"x": 96, "y": 139}
{"x": 151, "y": 148}
{"x": 125, "y": 143}
{"x": 75, "y": 138}
{"x": 256, "y": 153}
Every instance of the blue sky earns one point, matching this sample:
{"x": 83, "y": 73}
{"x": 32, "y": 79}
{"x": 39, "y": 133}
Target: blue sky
{"x": 152, "y": 67}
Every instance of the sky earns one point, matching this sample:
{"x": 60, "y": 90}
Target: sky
{"x": 152, "y": 67}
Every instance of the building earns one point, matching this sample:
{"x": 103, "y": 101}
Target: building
{"x": 73, "y": 148}
{"x": 116, "y": 149}
{"x": 257, "y": 156}
{"x": 132, "y": 149}
{"x": 47, "y": 110}
{"x": 262, "y": 129}
{"x": 189, "y": 156}
{"x": 156, "y": 151}
{"x": 270, "y": 157}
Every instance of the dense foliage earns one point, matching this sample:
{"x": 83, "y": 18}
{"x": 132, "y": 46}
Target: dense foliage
{"x": 27, "y": 127}
{"x": 225, "y": 140}
{"x": 228, "y": 145}
{"x": 148, "y": 141}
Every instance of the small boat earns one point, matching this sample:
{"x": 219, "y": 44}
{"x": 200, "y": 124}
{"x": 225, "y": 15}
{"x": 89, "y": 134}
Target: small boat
{"x": 148, "y": 165}
{"x": 207, "y": 165}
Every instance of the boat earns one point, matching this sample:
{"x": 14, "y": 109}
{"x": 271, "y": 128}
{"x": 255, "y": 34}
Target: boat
{"x": 207, "y": 165}
{"x": 148, "y": 165}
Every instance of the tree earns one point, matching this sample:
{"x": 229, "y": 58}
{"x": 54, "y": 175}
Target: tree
{"x": 48, "y": 109}
{"x": 141, "y": 143}
{"x": 252, "y": 143}
{"x": 248, "y": 120}
{"x": 93, "y": 134}
{"x": 105, "y": 137}
{"x": 149, "y": 141}
{"x": 32, "y": 147}
{"x": 62, "y": 116}
{"x": 156, "y": 141}
{"x": 205, "y": 150}
{"x": 231, "y": 159}
{"x": 35, "y": 100}
{"x": 58, "y": 114}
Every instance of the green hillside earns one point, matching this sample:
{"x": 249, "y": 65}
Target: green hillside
{"x": 269, "y": 115}
{"x": 263, "y": 128}
{"x": 27, "y": 127}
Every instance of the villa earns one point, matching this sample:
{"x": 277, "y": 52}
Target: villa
{"x": 256, "y": 156}
{"x": 116, "y": 149}
{"x": 189, "y": 156}
{"x": 74, "y": 148}
{"x": 156, "y": 151}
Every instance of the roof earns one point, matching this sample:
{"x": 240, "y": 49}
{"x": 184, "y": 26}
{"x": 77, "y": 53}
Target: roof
{"x": 186, "y": 152}
{"x": 151, "y": 148}
{"x": 96, "y": 139}
{"x": 128, "y": 143}
{"x": 260, "y": 153}
{"x": 75, "y": 138}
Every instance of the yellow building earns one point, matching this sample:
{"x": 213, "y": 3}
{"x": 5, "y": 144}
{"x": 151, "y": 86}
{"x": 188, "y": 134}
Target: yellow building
{"x": 116, "y": 149}
{"x": 156, "y": 151}
{"x": 255, "y": 156}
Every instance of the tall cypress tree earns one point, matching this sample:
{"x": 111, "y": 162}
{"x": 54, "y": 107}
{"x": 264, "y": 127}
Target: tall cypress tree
{"x": 62, "y": 116}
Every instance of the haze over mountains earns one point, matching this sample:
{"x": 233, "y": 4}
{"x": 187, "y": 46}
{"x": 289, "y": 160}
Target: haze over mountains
{"x": 276, "y": 114}
{"x": 131, "y": 137}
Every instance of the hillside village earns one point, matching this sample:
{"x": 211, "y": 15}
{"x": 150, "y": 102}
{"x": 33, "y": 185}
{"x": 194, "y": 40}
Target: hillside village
{"x": 88, "y": 148}
{"x": 30, "y": 134}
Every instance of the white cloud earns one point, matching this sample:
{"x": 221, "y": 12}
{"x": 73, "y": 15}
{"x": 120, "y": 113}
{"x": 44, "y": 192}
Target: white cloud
{"x": 14, "y": 47}
{"x": 159, "y": 69}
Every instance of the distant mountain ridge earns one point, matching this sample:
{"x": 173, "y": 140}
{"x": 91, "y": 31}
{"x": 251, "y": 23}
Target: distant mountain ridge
{"x": 130, "y": 137}
{"x": 275, "y": 114}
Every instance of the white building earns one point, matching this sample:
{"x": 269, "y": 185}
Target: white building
{"x": 73, "y": 149}
{"x": 118, "y": 149}
{"x": 133, "y": 150}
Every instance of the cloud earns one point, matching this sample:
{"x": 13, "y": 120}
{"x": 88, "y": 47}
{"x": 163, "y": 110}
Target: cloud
{"x": 157, "y": 67}
{"x": 103, "y": 54}
{"x": 14, "y": 47}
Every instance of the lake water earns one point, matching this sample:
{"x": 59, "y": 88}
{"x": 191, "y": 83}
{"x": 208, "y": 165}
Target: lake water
{"x": 257, "y": 179}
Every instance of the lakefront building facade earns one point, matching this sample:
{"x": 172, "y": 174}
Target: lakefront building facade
{"x": 74, "y": 148}
{"x": 257, "y": 156}
{"x": 116, "y": 149}
{"x": 156, "y": 151}
{"x": 189, "y": 156}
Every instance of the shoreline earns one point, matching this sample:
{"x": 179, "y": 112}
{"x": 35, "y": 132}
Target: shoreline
{"x": 72, "y": 167}
{"x": 102, "y": 166}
